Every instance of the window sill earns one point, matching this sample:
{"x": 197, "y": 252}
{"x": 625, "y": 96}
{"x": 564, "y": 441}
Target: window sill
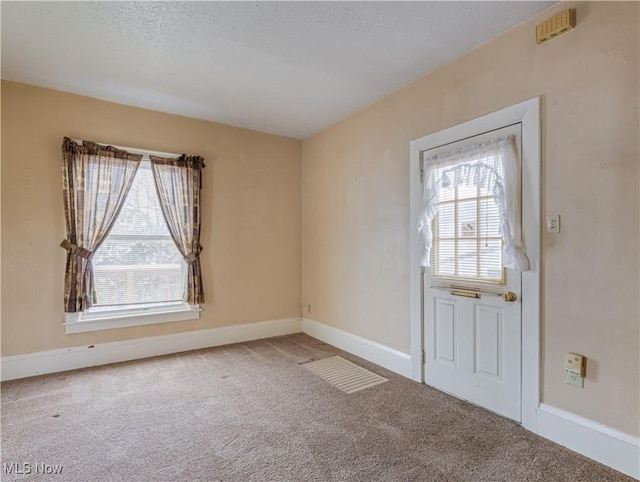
{"x": 133, "y": 319}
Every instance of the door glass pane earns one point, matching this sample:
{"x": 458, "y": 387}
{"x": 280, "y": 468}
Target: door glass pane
{"x": 466, "y": 192}
{"x": 491, "y": 258}
{"x": 468, "y": 219}
{"x": 445, "y": 221}
{"x": 446, "y": 258}
{"x": 447, "y": 194}
{"x": 489, "y": 219}
{"x": 466, "y": 236}
{"x": 468, "y": 258}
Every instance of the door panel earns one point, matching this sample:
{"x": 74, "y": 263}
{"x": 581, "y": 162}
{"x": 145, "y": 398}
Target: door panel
{"x": 488, "y": 341}
{"x": 445, "y": 332}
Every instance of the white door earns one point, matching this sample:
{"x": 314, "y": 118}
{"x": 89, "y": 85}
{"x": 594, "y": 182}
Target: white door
{"x": 472, "y": 333}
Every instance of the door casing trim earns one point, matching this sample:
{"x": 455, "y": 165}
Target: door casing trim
{"x": 528, "y": 113}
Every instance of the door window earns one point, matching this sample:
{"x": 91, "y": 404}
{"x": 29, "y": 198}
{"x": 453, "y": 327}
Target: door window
{"x": 466, "y": 235}
{"x": 470, "y": 222}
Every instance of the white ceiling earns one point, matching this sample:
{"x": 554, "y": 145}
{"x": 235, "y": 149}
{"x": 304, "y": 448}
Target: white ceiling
{"x": 289, "y": 68}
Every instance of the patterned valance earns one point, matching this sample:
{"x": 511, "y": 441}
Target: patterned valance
{"x": 192, "y": 162}
{"x": 71, "y": 147}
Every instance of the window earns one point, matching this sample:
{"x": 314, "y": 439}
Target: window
{"x": 466, "y": 235}
{"x": 133, "y": 236}
{"x": 138, "y": 266}
{"x": 470, "y": 222}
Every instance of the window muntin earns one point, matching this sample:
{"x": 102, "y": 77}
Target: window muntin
{"x": 138, "y": 267}
{"x": 466, "y": 234}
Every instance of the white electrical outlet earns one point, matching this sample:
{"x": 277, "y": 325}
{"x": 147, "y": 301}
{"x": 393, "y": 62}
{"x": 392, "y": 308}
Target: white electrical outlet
{"x": 575, "y": 381}
{"x": 553, "y": 224}
{"x": 575, "y": 369}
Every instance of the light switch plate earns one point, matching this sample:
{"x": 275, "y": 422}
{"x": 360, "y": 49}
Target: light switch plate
{"x": 553, "y": 224}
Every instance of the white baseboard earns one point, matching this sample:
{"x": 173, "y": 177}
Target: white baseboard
{"x": 608, "y": 446}
{"x": 382, "y": 355}
{"x": 53, "y": 361}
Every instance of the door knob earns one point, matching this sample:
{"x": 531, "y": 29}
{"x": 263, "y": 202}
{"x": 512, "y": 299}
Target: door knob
{"x": 510, "y": 296}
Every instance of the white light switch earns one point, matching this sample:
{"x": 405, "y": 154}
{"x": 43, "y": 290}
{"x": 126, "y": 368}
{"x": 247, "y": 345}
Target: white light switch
{"x": 553, "y": 224}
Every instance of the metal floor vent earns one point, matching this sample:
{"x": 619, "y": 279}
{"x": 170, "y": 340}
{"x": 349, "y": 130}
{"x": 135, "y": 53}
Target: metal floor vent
{"x": 343, "y": 374}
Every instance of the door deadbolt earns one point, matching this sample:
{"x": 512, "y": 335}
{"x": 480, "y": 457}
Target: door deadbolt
{"x": 510, "y": 296}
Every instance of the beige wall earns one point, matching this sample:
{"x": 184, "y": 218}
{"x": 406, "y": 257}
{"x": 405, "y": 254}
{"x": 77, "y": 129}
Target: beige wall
{"x": 356, "y": 199}
{"x": 250, "y": 227}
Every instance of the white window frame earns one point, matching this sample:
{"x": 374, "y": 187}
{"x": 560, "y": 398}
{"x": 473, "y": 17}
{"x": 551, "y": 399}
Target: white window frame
{"x": 81, "y": 323}
{"x": 107, "y": 320}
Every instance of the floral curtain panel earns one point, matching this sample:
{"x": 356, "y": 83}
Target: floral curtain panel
{"x": 179, "y": 186}
{"x": 493, "y": 165}
{"x": 96, "y": 180}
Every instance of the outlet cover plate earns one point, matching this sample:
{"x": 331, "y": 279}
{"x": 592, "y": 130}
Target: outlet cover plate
{"x": 553, "y": 224}
{"x": 575, "y": 381}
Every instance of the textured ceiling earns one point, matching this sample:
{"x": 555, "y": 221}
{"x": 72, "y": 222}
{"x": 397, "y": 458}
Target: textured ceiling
{"x": 289, "y": 68}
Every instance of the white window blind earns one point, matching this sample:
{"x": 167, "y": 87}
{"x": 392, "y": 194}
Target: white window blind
{"x": 138, "y": 265}
{"x": 466, "y": 234}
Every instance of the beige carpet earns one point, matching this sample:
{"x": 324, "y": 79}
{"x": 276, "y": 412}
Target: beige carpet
{"x": 249, "y": 412}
